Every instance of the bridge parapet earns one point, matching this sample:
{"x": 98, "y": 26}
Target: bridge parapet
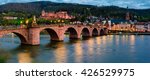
{"x": 10, "y": 27}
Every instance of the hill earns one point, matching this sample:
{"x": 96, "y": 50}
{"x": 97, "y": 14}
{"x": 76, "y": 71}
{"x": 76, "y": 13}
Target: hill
{"x": 35, "y": 8}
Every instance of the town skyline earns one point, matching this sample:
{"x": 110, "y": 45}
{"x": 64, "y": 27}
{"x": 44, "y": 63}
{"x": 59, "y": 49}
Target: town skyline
{"x": 140, "y": 4}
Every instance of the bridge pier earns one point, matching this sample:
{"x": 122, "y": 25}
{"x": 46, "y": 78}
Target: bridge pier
{"x": 59, "y": 35}
{"x": 34, "y": 36}
{"x": 105, "y": 31}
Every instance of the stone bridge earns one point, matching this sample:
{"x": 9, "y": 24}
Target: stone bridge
{"x": 31, "y": 35}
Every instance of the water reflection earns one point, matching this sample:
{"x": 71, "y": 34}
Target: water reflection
{"x": 90, "y": 44}
{"x": 24, "y": 58}
{"x": 104, "y": 40}
{"x": 60, "y": 53}
{"x": 116, "y": 40}
{"x": 4, "y": 56}
{"x": 132, "y": 40}
{"x": 98, "y": 40}
{"x": 33, "y": 50}
{"x": 78, "y": 51}
{"x": 132, "y": 43}
{"x": 111, "y": 48}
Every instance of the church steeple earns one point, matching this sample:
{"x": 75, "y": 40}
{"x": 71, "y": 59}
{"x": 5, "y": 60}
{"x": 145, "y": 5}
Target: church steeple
{"x": 127, "y": 14}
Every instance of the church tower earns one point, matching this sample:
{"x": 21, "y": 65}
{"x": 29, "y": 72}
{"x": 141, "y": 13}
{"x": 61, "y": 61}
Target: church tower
{"x": 127, "y": 15}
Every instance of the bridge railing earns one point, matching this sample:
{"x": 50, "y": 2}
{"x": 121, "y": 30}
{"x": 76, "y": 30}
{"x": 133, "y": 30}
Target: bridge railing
{"x": 59, "y": 25}
{"x": 50, "y": 25}
{"x": 12, "y": 27}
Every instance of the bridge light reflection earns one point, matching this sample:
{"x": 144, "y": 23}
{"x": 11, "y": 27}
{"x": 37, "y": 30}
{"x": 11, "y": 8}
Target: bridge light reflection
{"x": 104, "y": 41}
{"x": 132, "y": 43}
{"x": 132, "y": 39}
{"x": 78, "y": 52}
{"x": 98, "y": 40}
{"x": 91, "y": 46}
{"x": 24, "y": 58}
{"x": 60, "y": 53}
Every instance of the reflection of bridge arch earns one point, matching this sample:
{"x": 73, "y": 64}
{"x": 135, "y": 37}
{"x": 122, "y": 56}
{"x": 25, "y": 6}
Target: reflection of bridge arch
{"x": 85, "y": 32}
{"x": 72, "y": 32}
{"x": 95, "y": 32}
{"x": 53, "y": 34}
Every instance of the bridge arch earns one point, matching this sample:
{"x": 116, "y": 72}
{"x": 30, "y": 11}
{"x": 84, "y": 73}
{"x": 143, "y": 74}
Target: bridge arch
{"x": 95, "y": 32}
{"x": 52, "y": 33}
{"x": 103, "y": 31}
{"x": 85, "y": 32}
{"x": 73, "y": 34}
{"x": 22, "y": 38}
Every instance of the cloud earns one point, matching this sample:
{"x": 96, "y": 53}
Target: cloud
{"x": 138, "y": 4}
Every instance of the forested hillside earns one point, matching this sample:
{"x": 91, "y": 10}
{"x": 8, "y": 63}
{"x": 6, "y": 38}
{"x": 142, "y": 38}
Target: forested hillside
{"x": 35, "y": 8}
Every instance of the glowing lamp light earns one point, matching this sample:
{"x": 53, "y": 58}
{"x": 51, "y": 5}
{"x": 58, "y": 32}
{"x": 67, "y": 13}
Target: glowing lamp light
{"x": 27, "y": 21}
{"x": 21, "y": 22}
{"x": 58, "y": 20}
{"x": 62, "y": 21}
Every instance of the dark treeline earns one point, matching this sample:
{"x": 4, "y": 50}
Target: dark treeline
{"x": 35, "y": 8}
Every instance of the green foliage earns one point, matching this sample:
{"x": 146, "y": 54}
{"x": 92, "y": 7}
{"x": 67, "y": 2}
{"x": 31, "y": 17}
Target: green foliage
{"x": 10, "y": 22}
{"x": 16, "y": 22}
{"x": 53, "y": 21}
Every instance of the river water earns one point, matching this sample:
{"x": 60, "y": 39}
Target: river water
{"x": 102, "y": 49}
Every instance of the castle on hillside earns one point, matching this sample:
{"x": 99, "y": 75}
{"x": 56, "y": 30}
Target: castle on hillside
{"x": 56, "y": 15}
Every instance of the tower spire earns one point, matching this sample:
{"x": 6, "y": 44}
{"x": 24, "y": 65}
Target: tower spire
{"x": 127, "y": 14}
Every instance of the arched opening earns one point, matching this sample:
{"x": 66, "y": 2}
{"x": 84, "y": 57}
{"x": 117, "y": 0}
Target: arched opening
{"x": 21, "y": 37}
{"x": 102, "y": 32}
{"x": 12, "y": 40}
{"x": 47, "y": 35}
{"x": 71, "y": 33}
{"x": 94, "y": 32}
{"x": 85, "y": 33}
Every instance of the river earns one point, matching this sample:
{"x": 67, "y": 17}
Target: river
{"x": 102, "y": 49}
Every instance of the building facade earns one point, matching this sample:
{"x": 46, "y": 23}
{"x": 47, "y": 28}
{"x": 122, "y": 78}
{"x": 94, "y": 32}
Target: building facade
{"x": 56, "y": 15}
{"x": 143, "y": 26}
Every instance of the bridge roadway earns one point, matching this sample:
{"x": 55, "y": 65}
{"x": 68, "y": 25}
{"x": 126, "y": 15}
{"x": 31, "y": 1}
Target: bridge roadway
{"x": 31, "y": 35}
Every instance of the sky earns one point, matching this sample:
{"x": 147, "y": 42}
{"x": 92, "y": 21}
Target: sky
{"x": 136, "y": 4}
